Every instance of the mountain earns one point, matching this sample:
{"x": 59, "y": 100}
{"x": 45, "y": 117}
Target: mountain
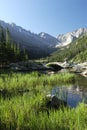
{"x": 42, "y": 44}
{"x": 67, "y": 38}
{"x": 34, "y": 43}
{"x": 63, "y": 39}
{"x": 76, "y": 51}
{"x": 52, "y": 41}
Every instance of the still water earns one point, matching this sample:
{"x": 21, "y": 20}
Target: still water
{"x": 72, "y": 94}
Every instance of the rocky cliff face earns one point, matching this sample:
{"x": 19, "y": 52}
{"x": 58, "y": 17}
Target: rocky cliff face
{"x": 67, "y": 38}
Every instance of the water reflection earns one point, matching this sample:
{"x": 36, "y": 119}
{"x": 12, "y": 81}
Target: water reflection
{"x": 73, "y": 94}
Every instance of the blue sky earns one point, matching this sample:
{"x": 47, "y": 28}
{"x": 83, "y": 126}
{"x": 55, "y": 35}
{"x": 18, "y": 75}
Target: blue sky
{"x": 50, "y": 16}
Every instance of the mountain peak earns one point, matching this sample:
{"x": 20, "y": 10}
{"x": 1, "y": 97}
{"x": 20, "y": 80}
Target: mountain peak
{"x": 43, "y": 34}
{"x": 12, "y": 24}
{"x": 52, "y": 41}
{"x": 67, "y": 38}
{"x": 25, "y": 37}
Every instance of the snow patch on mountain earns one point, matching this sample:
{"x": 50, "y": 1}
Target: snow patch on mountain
{"x": 52, "y": 41}
{"x": 67, "y": 38}
{"x": 42, "y": 39}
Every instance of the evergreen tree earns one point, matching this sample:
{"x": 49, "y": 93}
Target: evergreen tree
{"x": 10, "y": 51}
{"x": 2, "y": 37}
{"x": 8, "y": 40}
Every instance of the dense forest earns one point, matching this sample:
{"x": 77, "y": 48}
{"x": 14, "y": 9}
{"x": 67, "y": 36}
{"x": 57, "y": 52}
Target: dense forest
{"x": 10, "y": 51}
{"x": 76, "y": 51}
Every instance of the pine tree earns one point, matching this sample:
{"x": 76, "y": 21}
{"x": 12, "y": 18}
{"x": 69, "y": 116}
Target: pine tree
{"x": 10, "y": 51}
{"x": 8, "y": 40}
{"x": 25, "y": 55}
{"x": 2, "y": 36}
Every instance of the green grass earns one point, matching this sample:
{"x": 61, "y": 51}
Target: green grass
{"x": 29, "y": 112}
{"x": 21, "y": 113}
{"x": 18, "y": 81}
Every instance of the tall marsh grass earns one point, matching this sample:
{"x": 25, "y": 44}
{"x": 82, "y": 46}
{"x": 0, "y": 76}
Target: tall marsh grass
{"x": 21, "y": 113}
{"x": 17, "y": 81}
{"x": 29, "y": 112}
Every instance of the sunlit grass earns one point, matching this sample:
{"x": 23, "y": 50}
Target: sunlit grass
{"x": 28, "y": 111}
{"x": 22, "y": 113}
{"x": 27, "y": 81}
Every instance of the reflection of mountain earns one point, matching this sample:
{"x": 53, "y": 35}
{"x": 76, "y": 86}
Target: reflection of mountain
{"x": 73, "y": 94}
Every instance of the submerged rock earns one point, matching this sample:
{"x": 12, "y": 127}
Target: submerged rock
{"x": 54, "y": 102}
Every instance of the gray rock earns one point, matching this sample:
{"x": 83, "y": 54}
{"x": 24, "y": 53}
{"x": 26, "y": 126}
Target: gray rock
{"x": 54, "y": 102}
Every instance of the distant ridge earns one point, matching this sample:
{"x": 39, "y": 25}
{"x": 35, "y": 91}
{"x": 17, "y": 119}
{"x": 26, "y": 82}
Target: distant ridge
{"x": 42, "y": 44}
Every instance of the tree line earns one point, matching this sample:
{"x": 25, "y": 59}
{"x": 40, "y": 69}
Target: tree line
{"x": 9, "y": 50}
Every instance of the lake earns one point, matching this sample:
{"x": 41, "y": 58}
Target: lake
{"x": 73, "y": 94}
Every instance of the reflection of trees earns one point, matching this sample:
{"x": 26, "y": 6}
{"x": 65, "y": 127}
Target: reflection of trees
{"x": 61, "y": 93}
{"x": 82, "y": 89}
{"x": 84, "y": 94}
{"x": 78, "y": 90}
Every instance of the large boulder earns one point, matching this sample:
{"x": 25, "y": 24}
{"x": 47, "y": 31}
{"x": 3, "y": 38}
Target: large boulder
{"x": 55, "y": 66}
{"x": 84, "y": 73}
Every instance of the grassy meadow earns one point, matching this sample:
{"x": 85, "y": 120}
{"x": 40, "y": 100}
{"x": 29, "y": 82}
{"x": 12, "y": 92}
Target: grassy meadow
{"x": 23, "y": 103}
